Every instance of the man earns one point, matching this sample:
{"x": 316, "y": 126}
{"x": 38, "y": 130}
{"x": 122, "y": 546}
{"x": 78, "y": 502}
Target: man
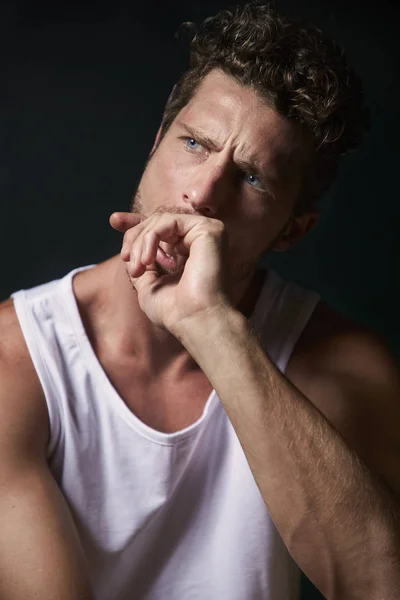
{"x": 178, "y": 423}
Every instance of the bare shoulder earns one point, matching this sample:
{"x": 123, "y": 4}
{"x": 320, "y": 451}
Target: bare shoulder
{"x": 36, "y": 524}
{"x": 350, "y": 374}
{"x": 333, "y": 342}
{"x": 13, "y": 350}
{"x": 22, "y": 404}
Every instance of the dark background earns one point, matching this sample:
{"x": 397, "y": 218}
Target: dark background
{"x": 83, "y": 87}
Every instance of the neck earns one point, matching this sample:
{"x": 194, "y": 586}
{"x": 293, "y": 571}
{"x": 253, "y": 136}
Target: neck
{"x": 119, "y": 325}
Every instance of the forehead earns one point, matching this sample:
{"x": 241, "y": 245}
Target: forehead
{"x": 232, "y": 113}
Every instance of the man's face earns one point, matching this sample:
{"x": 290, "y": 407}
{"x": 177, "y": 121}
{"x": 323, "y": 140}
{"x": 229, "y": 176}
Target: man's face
{"x": 228, "y": 156}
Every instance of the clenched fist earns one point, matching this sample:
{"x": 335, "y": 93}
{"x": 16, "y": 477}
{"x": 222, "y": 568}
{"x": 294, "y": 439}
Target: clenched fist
{"x": 189, "y": 279}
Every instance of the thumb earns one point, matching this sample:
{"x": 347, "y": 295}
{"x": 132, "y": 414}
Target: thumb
{"x": 122, "y": 221}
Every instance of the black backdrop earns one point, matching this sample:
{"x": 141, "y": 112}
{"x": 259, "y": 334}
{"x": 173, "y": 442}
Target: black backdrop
{"x": 83, "y": 86}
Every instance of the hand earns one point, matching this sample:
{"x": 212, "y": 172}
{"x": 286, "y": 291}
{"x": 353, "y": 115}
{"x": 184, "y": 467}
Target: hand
{"x": 200, "y": 286}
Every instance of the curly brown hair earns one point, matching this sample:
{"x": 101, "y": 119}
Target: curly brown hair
{"x": 297, "y": 69}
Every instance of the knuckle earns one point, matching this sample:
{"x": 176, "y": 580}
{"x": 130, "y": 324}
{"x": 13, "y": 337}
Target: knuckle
{"x": 127, "y": 237}
{"x": 217, "y": 226}
{"x": 220, "y": 227}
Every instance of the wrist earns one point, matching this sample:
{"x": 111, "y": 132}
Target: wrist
{"x": 200, "y": 332}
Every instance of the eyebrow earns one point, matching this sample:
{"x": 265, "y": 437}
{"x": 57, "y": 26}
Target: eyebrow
{"x": 200, "y": 137}
{"x": 249, "y": 165}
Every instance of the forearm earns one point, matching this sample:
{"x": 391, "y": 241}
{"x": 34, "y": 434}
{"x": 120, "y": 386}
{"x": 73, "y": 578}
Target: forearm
{"x": 335, "y": 517}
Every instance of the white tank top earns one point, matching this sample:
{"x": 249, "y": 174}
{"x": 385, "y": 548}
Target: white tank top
{"x": 161, "y": 516}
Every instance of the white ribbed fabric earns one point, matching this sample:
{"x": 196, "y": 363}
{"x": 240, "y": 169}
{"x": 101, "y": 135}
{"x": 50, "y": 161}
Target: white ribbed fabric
{"x": 160, "y": 516}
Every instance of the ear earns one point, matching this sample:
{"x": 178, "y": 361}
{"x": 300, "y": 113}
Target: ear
{"x": 297, "y": 228}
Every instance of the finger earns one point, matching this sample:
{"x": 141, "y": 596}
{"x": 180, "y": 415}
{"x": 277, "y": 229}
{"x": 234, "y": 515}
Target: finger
{"x": 181, "y": 248}
{"x": 130, "y": 238}
{"x": 151, "y": 242}
{"x": 143, "y": 284}
{"x": 168, "y": 228}
{"x": 183, "y": 228}
{"x": 135, "y": 266}
{"x": 122, "y": 221}
{"x": 143, "y": 250}
{"x": 141, "y": 242}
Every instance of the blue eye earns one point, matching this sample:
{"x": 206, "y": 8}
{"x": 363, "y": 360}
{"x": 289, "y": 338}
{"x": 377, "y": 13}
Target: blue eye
{"x": 252, "y": 180}
{"x": 192, "y": 144}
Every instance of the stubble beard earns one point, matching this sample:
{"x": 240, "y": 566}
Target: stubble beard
{"x": 240, "y": 273}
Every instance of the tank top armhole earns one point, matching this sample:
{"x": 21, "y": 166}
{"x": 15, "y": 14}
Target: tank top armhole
{"x": 305, "y": 311}
{"x": 28, "y": 328}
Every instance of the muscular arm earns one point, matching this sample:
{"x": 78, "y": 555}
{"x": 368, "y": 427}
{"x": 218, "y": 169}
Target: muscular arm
{"x": 339, "y": 521}
{"x": 40, "y": 554}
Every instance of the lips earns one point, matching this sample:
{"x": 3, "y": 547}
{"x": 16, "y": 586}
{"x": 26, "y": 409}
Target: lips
{"x": 169, "y": 249}
{"x": 168, "y": 263}
{"x": 169, "y": 260}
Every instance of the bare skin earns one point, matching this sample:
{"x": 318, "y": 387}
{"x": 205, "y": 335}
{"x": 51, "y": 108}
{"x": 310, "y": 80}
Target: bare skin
{"x": 168, "y": 380}
{"x": 338, "y": 368}
{"x": 212, "y": 182}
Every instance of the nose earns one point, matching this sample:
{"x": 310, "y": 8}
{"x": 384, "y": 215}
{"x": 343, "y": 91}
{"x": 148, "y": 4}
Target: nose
{"x": 207, "y": 190}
